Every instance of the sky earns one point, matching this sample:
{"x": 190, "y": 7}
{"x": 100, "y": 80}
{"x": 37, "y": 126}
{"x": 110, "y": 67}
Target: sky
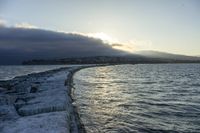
{"x": 163, "y": 25}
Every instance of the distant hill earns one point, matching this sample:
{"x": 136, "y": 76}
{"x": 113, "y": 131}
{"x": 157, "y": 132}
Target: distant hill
{"x": 39, "y": 46}
{"x": 18, "y": 44}
{"x": 166, "y": 56}
{"x": 140, "y": 57}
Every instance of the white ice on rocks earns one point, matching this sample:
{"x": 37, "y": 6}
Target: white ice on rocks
{"x": 46, "y": 111}
{"x": 53, "y": 122}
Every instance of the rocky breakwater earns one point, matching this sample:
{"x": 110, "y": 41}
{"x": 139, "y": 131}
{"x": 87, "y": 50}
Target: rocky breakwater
{"x": 39, "y": 103}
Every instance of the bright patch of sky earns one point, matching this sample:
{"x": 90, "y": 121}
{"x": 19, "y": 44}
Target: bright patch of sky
{"x": 164, "y": 25}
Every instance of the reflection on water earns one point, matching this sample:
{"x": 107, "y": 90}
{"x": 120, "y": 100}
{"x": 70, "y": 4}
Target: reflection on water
{"x": 139, "y": 98}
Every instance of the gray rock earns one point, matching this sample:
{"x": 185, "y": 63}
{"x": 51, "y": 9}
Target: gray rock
{"x": 54, "y": 122}
{"x": 7, "y": 99}
{"x": 2, "y": 89}
{"x": 8, "y": 112}
{"x": 39, "y": 103}
{"x": 47, "y": 101}
{"x": 33, "y": 89}
{"x": 19, "y": 103}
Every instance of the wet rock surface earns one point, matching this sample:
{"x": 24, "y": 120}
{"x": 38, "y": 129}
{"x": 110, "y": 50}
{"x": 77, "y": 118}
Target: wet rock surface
{"x": 39, "y": 103}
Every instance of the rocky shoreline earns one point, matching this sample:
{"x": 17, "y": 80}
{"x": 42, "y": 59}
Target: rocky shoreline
{"x": 40, "y": 103}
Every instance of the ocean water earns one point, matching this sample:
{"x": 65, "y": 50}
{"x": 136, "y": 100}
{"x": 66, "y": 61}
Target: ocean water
{"x": 157, "y": 98}
{"x": 9, "y": 72}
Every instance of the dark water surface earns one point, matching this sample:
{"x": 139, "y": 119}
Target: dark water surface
{"x": 139, "y": 98}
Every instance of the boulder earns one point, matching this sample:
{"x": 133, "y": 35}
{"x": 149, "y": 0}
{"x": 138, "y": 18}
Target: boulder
{"x": 46, "y": 101}
{"x": 33, "y": 89}
{"x": 54, "y": 122}
{"x": 8, "y": 112}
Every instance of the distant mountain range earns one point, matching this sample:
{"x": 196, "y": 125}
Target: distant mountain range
{"x": 136, "y": 58}
{"x": 39, "y": 46}
{"x": 164, "y": 55}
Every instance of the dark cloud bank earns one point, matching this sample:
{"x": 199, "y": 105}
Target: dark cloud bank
{"x": 19, "y": 44}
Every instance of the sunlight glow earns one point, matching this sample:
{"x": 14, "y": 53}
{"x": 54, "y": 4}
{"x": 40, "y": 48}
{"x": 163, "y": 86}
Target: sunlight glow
{"x": 103, "y": 36}
{"x": 25, "y": 26}
{"x": 115, "y": 43}
{"x": 128, "y": 46}
{"x": 124, "y": 47}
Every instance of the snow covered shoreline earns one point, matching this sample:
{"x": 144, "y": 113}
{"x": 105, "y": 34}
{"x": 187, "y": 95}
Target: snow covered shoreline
{"x": 40, "y": 103}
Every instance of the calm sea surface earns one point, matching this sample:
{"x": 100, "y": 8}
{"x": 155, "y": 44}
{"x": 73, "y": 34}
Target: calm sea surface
{"x": 139, "y": 98}
{"x": 9, "y": 72}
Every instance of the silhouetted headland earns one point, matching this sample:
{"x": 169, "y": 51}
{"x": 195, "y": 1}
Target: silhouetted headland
{"x": 141, "y": 57}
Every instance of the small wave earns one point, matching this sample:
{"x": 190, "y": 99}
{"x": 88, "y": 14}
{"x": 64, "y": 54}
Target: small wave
{"x": 141, "y": 99}
{"x": 148, "y": 82}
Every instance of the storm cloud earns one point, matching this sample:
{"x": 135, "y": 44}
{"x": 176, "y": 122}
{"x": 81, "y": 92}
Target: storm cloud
{"x": 20, "y": 44}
